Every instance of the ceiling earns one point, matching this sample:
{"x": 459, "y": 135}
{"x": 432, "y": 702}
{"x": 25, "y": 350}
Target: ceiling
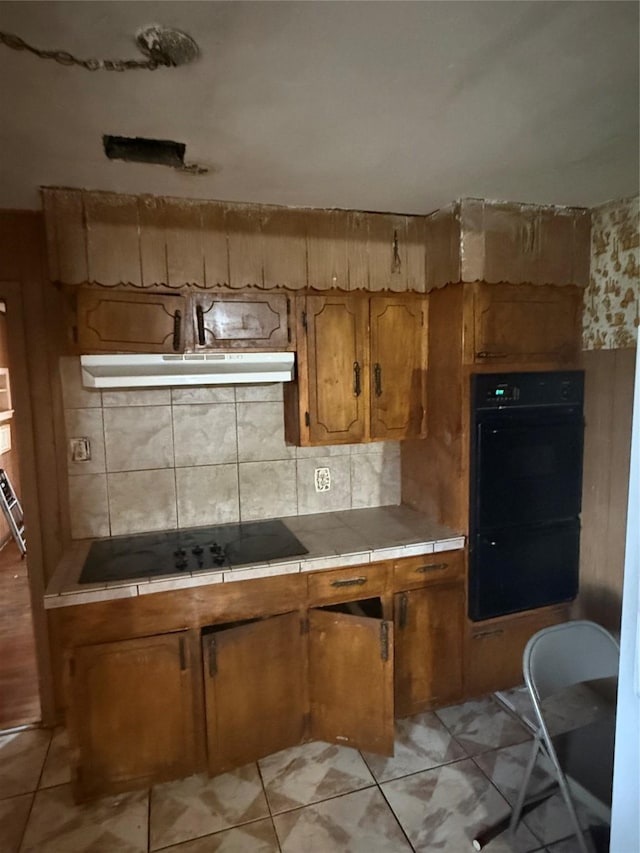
{"x": 390, "y": 106}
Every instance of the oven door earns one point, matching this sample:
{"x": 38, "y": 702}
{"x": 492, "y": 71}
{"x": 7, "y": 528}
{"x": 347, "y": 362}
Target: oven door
{"x": 528, "y": 468}
{"x": 522, "y": 568}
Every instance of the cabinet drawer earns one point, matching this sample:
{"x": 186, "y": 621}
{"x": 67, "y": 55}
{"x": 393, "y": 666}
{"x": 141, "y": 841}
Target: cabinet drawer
{"x": 430, "y": 568}
{"x": 346, "y": 584}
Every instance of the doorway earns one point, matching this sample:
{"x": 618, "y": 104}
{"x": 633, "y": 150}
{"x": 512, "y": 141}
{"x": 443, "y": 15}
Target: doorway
{"x": 19, "y": 678}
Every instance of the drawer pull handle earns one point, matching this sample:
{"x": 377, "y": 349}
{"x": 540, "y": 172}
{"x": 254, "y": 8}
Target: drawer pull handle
{"x": 349, "y": 582}
{"x": 484, "y": 634}
{"x": 183, "y": 655}
{"x": 487, "y": 354}
{"x": 432, "y": 567}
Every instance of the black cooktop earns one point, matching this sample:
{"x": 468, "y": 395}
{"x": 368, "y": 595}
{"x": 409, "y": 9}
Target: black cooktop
{"x": 190, "y": 550}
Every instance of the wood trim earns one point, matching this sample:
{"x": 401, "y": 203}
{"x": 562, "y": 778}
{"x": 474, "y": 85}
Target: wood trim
{"x": 609, "y": 378}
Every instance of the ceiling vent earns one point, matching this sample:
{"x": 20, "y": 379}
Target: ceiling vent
{"x": 163, "y": 152}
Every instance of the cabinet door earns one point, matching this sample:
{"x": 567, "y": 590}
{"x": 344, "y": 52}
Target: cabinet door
{"x": 351, "y": 680}
{"x": 121, "y": 321}
{"x": 526, "y": 323}
{"x": 254, "y": 678}
{"x": 337, "y": 385}
{"x": 429, "y": 644}
{"x": 398, "y": 367}
{"x": 237, "y": 322}
{"x": 132, "y": 713}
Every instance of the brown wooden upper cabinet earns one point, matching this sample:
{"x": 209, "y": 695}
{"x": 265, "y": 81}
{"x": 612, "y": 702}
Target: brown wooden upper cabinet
{"x": 230, "y": 321}
{"x": 524, "y": 324}
{"x": 126, "y": 321}
{"x": 130, "y": 321}
{"x": 361, "y": 370}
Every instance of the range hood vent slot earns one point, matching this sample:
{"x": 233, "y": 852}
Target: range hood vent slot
{"x": 155, "y": 371}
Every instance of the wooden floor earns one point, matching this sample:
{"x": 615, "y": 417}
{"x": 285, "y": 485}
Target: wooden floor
{"x": 19, "y": 695}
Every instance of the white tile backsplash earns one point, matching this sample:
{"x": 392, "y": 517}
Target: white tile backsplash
{"x": 187, "y": 457}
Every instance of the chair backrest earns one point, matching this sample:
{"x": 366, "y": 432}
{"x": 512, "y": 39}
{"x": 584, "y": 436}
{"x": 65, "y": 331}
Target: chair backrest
{"x": 567, "y": 654}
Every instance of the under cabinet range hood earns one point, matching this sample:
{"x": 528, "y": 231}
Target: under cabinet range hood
{"x": 155, "y": 370}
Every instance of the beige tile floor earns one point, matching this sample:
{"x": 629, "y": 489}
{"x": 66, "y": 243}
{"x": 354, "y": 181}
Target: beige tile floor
{"x": 453, "y": 771}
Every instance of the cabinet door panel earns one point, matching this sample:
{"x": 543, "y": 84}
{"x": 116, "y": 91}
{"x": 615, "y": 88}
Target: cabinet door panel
{"x": 526, "y": 323}
{"x": 338, "y": 391}
{"x": 351, "y": 680}
{"x": 132, "y": 713}
{"x": 228, "y": 322}
{"x": 494, "y": 654}
{"x": 398, "y": 367}
{"x": 429, "y": 646}
{"x": 120, "y": 321}
{"x": 254, "y": 690}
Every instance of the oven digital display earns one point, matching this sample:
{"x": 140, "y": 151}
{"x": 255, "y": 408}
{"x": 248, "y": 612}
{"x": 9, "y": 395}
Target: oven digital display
{"x": 503, "y": 392}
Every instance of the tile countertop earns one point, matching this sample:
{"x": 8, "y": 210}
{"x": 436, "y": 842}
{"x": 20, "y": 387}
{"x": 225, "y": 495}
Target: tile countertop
{"x": 333, "y": 539}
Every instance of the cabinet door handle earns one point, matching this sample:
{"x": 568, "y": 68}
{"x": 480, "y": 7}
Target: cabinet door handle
{"x": 487, "y": 354}
{"x": 349, "y": 582}
{"x": 484, "y": 634}
{"x": 213, "y": 658}
{"x": 402, "y": 611}
{"x": 384, "y": 641}
{"x": 377, "y": 377}
{"x": 177, "y": 323}
{"x": 183, "y": 655}
{"x": 433, "y": 567}
{"x": 200, "y": 324}
{"x": 356, "y": 379}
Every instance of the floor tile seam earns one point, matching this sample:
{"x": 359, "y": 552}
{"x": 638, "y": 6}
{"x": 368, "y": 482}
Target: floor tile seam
{"x": 395, "y": 817}
{"x": 424, "y": 770}
{"x": 210, "y": 834}
{"x": 510, "y": 805}
{"x": 31, "y": 794}
{"x": 326, "y": 799}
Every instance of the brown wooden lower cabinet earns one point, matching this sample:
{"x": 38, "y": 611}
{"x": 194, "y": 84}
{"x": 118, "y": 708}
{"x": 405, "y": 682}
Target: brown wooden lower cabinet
{"x": 254, "y": 688}
{"x": 495, "y": 647}
{"x": 429, "y": 625}
{"x": 132, "y": 716}
{"x": 351, "y": 676}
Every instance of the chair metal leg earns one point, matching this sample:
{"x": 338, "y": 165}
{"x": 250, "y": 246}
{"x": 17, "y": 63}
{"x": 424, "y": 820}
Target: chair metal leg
{"x": 516, "y": 814}
{"x": 568, "y": 799}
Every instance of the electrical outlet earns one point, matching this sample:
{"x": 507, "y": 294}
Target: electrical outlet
{"x": 322, "y": 479}
{"x": 80, "y": 449}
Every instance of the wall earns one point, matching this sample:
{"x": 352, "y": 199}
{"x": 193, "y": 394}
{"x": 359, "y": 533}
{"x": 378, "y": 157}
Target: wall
{"x": 167, "y": 458}
{"x": 610, "y": 331}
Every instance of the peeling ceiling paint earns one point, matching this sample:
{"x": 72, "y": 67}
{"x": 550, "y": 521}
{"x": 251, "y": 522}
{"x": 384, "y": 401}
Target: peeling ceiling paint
{"x": 400, "y": 106}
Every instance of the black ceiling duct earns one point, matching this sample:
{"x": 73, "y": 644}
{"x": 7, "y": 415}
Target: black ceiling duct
{"x": 163, "y": 152}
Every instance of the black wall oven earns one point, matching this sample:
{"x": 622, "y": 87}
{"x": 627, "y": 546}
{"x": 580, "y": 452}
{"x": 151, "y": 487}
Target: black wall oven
{"x": 526, "y": 487}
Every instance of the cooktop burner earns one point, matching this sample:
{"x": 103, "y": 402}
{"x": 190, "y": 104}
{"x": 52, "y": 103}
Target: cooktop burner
{"x": 191, "y": 550}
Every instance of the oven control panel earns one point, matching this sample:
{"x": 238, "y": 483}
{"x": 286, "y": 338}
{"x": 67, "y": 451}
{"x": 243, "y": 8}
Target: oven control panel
{"x": 552, "y": 388}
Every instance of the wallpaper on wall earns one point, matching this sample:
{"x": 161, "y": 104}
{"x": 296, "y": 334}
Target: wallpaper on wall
{"x": 611, "y": 300}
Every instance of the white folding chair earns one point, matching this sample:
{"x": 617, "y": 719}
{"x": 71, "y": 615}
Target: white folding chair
{"x": 554, "y": 659}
